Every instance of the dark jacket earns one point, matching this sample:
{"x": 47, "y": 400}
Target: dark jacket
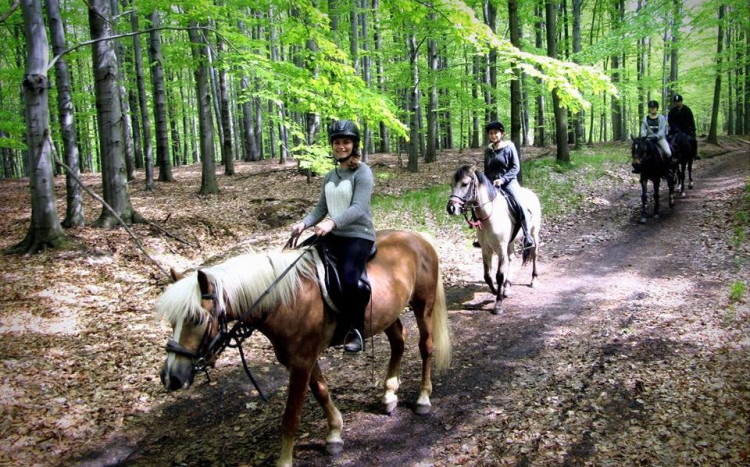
{"x": 681, "y": 120}
{"x": 502, "y": 164}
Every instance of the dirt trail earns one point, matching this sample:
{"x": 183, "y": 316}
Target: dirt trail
{"x": 626, "y": 352}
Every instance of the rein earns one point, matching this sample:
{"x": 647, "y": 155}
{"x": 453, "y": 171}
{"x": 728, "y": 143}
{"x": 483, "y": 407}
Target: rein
{"x": 231, "y": 338}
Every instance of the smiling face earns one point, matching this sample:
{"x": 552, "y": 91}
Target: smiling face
{"x": 342, "y": 148}
{"x": 495, "y": 136}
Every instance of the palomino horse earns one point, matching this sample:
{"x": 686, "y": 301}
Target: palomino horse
{"x": 279, "y": 295}
{"x": 497, "y": 227}
{"x": 652, "y": 165}
{"x": 684, "y": 150}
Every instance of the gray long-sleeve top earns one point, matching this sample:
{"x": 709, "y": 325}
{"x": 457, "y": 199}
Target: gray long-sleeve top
{"x": 345, "y": 198}
{"x": 654, "y": 128}
{"x": 502, "y": 164}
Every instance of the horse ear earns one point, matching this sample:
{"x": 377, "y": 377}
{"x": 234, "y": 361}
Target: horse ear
{"x": 203, "y": 282}
{"x": 175, "y": 275}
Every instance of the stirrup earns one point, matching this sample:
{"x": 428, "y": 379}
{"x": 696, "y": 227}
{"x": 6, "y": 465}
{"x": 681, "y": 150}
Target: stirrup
{"x": 356, "y": 344}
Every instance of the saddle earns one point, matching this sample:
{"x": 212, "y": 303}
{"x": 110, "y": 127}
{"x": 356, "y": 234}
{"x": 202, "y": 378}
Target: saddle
{"x": 331, "y": 286}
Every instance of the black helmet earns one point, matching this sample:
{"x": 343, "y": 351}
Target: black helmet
{"x": 677, "y": 98}
{"x": 344, "y": 128}
{"x": 653, "y": 104}
{"x": 494, "y": 125}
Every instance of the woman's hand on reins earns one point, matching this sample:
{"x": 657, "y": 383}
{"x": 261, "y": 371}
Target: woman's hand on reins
{"x": 324, "y": 227}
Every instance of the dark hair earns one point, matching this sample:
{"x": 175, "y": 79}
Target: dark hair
{"x": 494, "y": 125}
{"x": 677, "y": 98}
{"x": 345, "y": 129}
{"x": 653, "y": 104}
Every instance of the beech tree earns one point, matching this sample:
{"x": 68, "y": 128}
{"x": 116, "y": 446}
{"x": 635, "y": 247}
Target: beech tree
{"x": 44, "y": 230}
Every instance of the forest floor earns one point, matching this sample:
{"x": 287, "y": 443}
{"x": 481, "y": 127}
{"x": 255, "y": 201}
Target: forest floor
{"x": 628, "y": 352}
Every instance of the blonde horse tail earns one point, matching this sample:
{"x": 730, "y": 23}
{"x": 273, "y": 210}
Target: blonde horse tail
{"x": 441, "y": 339}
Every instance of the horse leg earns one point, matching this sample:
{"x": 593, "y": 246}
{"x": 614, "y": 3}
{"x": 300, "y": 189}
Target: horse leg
{"x": 656, "y": 183}
{"x": 670, "y": 186}
{"x": 396, "y": 338}
{"x": 644, "y": 199}
{"x": 507, "y": 292}
{"x": 424, "y": 323}
{"x": 502, "y": 272}
{"x": 487, "y": 262}
{"x": 319, "y": 389}
{"x": 690, "y": 174}
{"x": 681, "y": 176}
{"x": 297, "y": 390}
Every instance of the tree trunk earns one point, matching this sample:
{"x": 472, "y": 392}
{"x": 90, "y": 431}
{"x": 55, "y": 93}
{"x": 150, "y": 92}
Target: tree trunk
{"x": 148, "y": 162}
{"x": 580, "y": 115}
{"x": 126, "y": 121}
{"x": 109, "y": 119}
{"x": 227, "y": 152}
{"x": 490, "y": 18}
{"x": 413, "y": 103}
{"x": 540, "y": 135}
{"x": 561, "y": 120}
{"x": 432, "y": 104}
{"x": 160, "y": 101}
{"x": 74, "y": 198}
{"x": 675, "y": 46}
{"x": 712, "y": 137}
{"x": 205, "y": 120}
{"x": 378, "y": 38}
{"x": 515, "y": 82}
{"x": 44, "y": 230}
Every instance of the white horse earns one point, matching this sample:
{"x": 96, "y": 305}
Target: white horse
{"x": 497, "y": 227}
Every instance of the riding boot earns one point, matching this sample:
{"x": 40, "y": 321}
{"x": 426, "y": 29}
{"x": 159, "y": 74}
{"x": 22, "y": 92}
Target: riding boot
{"x": 359, "y": 300}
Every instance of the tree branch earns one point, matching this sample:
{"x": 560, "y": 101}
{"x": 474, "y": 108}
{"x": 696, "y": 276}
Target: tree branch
{"x": 13, "y": 8}
{"x": 108, "y": 207}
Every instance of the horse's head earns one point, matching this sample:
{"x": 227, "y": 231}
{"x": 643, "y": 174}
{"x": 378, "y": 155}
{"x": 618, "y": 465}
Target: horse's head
{"x": 463, "y": 190}
{"x": 198, "y": 322}
{"x": 639, "y": 151}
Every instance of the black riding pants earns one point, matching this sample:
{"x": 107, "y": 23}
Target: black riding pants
{"x": 351, "y": 254}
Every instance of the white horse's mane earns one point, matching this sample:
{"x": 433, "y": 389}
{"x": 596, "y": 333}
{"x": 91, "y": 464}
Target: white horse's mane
{"x": 241, "y": 280}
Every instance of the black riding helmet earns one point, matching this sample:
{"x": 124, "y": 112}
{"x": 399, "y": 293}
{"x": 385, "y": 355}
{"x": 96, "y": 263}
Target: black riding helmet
{"x": 653, "y": 104}
{"x": 494, "y": 125}
{"x": 344, "y": 128}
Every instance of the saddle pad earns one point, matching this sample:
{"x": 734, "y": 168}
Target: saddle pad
{"x": 321, "y": 272}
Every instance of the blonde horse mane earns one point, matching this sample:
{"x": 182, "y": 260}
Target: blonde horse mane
{"x": 241, "y": 280}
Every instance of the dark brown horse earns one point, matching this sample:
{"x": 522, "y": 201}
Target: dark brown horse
{"x": 652, "y": 165}
{"x": 684, "y": 150}
{"x": 292, "y": 315}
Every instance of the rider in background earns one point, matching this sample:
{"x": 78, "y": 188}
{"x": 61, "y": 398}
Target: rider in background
{"x": 502, "y": 165}
{"x": 680, "y": 118}
{"x": 343, "y": 220}
{"x": 654, "y": 127}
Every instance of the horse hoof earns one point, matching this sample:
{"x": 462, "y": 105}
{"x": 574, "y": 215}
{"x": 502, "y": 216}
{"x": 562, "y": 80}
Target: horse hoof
{"x": 507, "y": 293}
{"x": 656, "y": 216}
{"x": 690, "y": 186}
{"x": 334, "y": 448}
{"x": 390, "y": 406}
{"x": 682, "y": 193}
{"x": 423, "y": 409}
{"x": 643, "y": 220}
{"x": 498, "y": 310}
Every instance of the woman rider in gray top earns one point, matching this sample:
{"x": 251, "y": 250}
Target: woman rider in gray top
{"x": 343, "y": 219}
{"x": 501, "y": 165}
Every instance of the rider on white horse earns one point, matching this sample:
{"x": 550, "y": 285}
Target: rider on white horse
{"x": 502, "y": 165}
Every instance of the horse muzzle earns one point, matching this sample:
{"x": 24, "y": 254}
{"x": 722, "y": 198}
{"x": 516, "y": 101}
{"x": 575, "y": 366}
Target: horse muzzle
{"x": 178, "y": 374}
{"x": 455, "y": 206}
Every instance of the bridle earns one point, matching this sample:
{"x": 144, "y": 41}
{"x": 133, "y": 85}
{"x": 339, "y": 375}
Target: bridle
{"x": 471, "y": 203}
{"x": 224, "y": 337}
